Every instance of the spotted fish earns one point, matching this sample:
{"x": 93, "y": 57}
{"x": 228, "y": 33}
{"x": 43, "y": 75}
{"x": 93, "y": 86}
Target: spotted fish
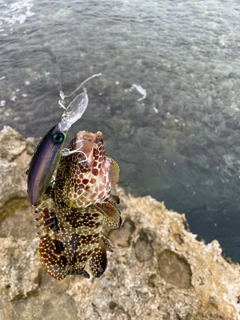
{"x": 74, "y": 208}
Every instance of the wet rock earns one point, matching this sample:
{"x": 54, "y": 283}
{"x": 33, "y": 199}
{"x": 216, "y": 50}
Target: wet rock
{"x": 158, "y": 269}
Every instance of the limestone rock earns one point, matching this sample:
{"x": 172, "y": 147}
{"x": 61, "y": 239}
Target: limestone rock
{"x": 158, "y": 269}
{"x": 19, "y": 267}
{"x": 12, "y": 144}
{"x": 13, "y": 165}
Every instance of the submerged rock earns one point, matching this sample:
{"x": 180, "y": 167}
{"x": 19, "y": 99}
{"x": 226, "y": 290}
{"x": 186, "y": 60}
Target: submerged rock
{"x": 158, "y": 269}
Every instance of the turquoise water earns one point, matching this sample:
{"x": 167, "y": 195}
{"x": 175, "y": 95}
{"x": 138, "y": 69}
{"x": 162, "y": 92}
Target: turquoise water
{"x": 167, "y": 101}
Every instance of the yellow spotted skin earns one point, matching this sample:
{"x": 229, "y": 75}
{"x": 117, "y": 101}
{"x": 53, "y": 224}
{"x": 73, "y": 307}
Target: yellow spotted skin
{"x": 73, "y": 210}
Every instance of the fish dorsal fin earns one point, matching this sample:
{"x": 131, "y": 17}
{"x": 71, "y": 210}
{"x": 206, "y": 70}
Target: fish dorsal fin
{"x": 111, "y": 213}
{"x": 114, "y": 171}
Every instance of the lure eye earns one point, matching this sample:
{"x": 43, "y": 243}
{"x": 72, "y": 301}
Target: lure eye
{"x": 58, "y": 137}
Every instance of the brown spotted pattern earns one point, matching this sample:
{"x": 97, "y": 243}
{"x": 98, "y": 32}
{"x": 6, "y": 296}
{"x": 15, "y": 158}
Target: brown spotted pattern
{"x": 73, "y": 210}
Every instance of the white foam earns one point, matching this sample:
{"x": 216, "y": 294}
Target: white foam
{"x": 139, "y": 89}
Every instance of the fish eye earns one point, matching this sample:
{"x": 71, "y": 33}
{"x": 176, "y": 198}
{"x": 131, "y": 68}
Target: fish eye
{"x": 58, "y": 137}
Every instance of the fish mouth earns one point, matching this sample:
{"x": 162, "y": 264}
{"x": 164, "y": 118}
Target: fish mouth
{"x": 87, "y": 143}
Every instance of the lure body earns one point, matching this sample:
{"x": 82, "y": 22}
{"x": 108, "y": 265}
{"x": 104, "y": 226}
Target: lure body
{"x": 44, "y": 162}
{"x": 72, "y": 212}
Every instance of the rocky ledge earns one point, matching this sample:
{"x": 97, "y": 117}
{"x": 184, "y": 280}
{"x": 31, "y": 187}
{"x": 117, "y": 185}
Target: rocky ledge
{"x": 158, "y": 269}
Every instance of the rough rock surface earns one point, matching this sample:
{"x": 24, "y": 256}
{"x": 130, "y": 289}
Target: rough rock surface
{"x": 158, "y": 269}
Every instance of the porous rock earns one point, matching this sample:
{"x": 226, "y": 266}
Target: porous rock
{"x": 19, "y": 267}
{"x": 158, "y": 269}
{"x": 13, "y": 165}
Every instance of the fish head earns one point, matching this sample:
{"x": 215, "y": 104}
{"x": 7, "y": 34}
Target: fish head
{"x": 85, "y": 175}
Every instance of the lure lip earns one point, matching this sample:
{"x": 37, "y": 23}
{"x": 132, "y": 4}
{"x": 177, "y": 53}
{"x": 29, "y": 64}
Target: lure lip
{"x": 74, "y": 111}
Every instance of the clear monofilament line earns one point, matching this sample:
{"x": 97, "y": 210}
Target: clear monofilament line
{"x": 76, "y": 108}
{"x": 63, "y": 96}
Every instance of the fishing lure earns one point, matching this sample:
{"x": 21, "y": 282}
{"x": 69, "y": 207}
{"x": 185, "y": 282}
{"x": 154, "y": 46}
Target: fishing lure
{"x": 48, "y": 151}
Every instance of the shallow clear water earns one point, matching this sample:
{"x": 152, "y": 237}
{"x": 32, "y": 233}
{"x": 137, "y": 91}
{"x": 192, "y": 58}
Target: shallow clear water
{"x": 180, "y": 143}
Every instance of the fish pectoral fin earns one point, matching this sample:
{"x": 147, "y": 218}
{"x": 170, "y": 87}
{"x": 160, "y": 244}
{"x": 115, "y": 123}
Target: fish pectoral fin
{"x": 114, "y": 171}
{"x": 98, "y": 260}
{"x": 111, "y": 213}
